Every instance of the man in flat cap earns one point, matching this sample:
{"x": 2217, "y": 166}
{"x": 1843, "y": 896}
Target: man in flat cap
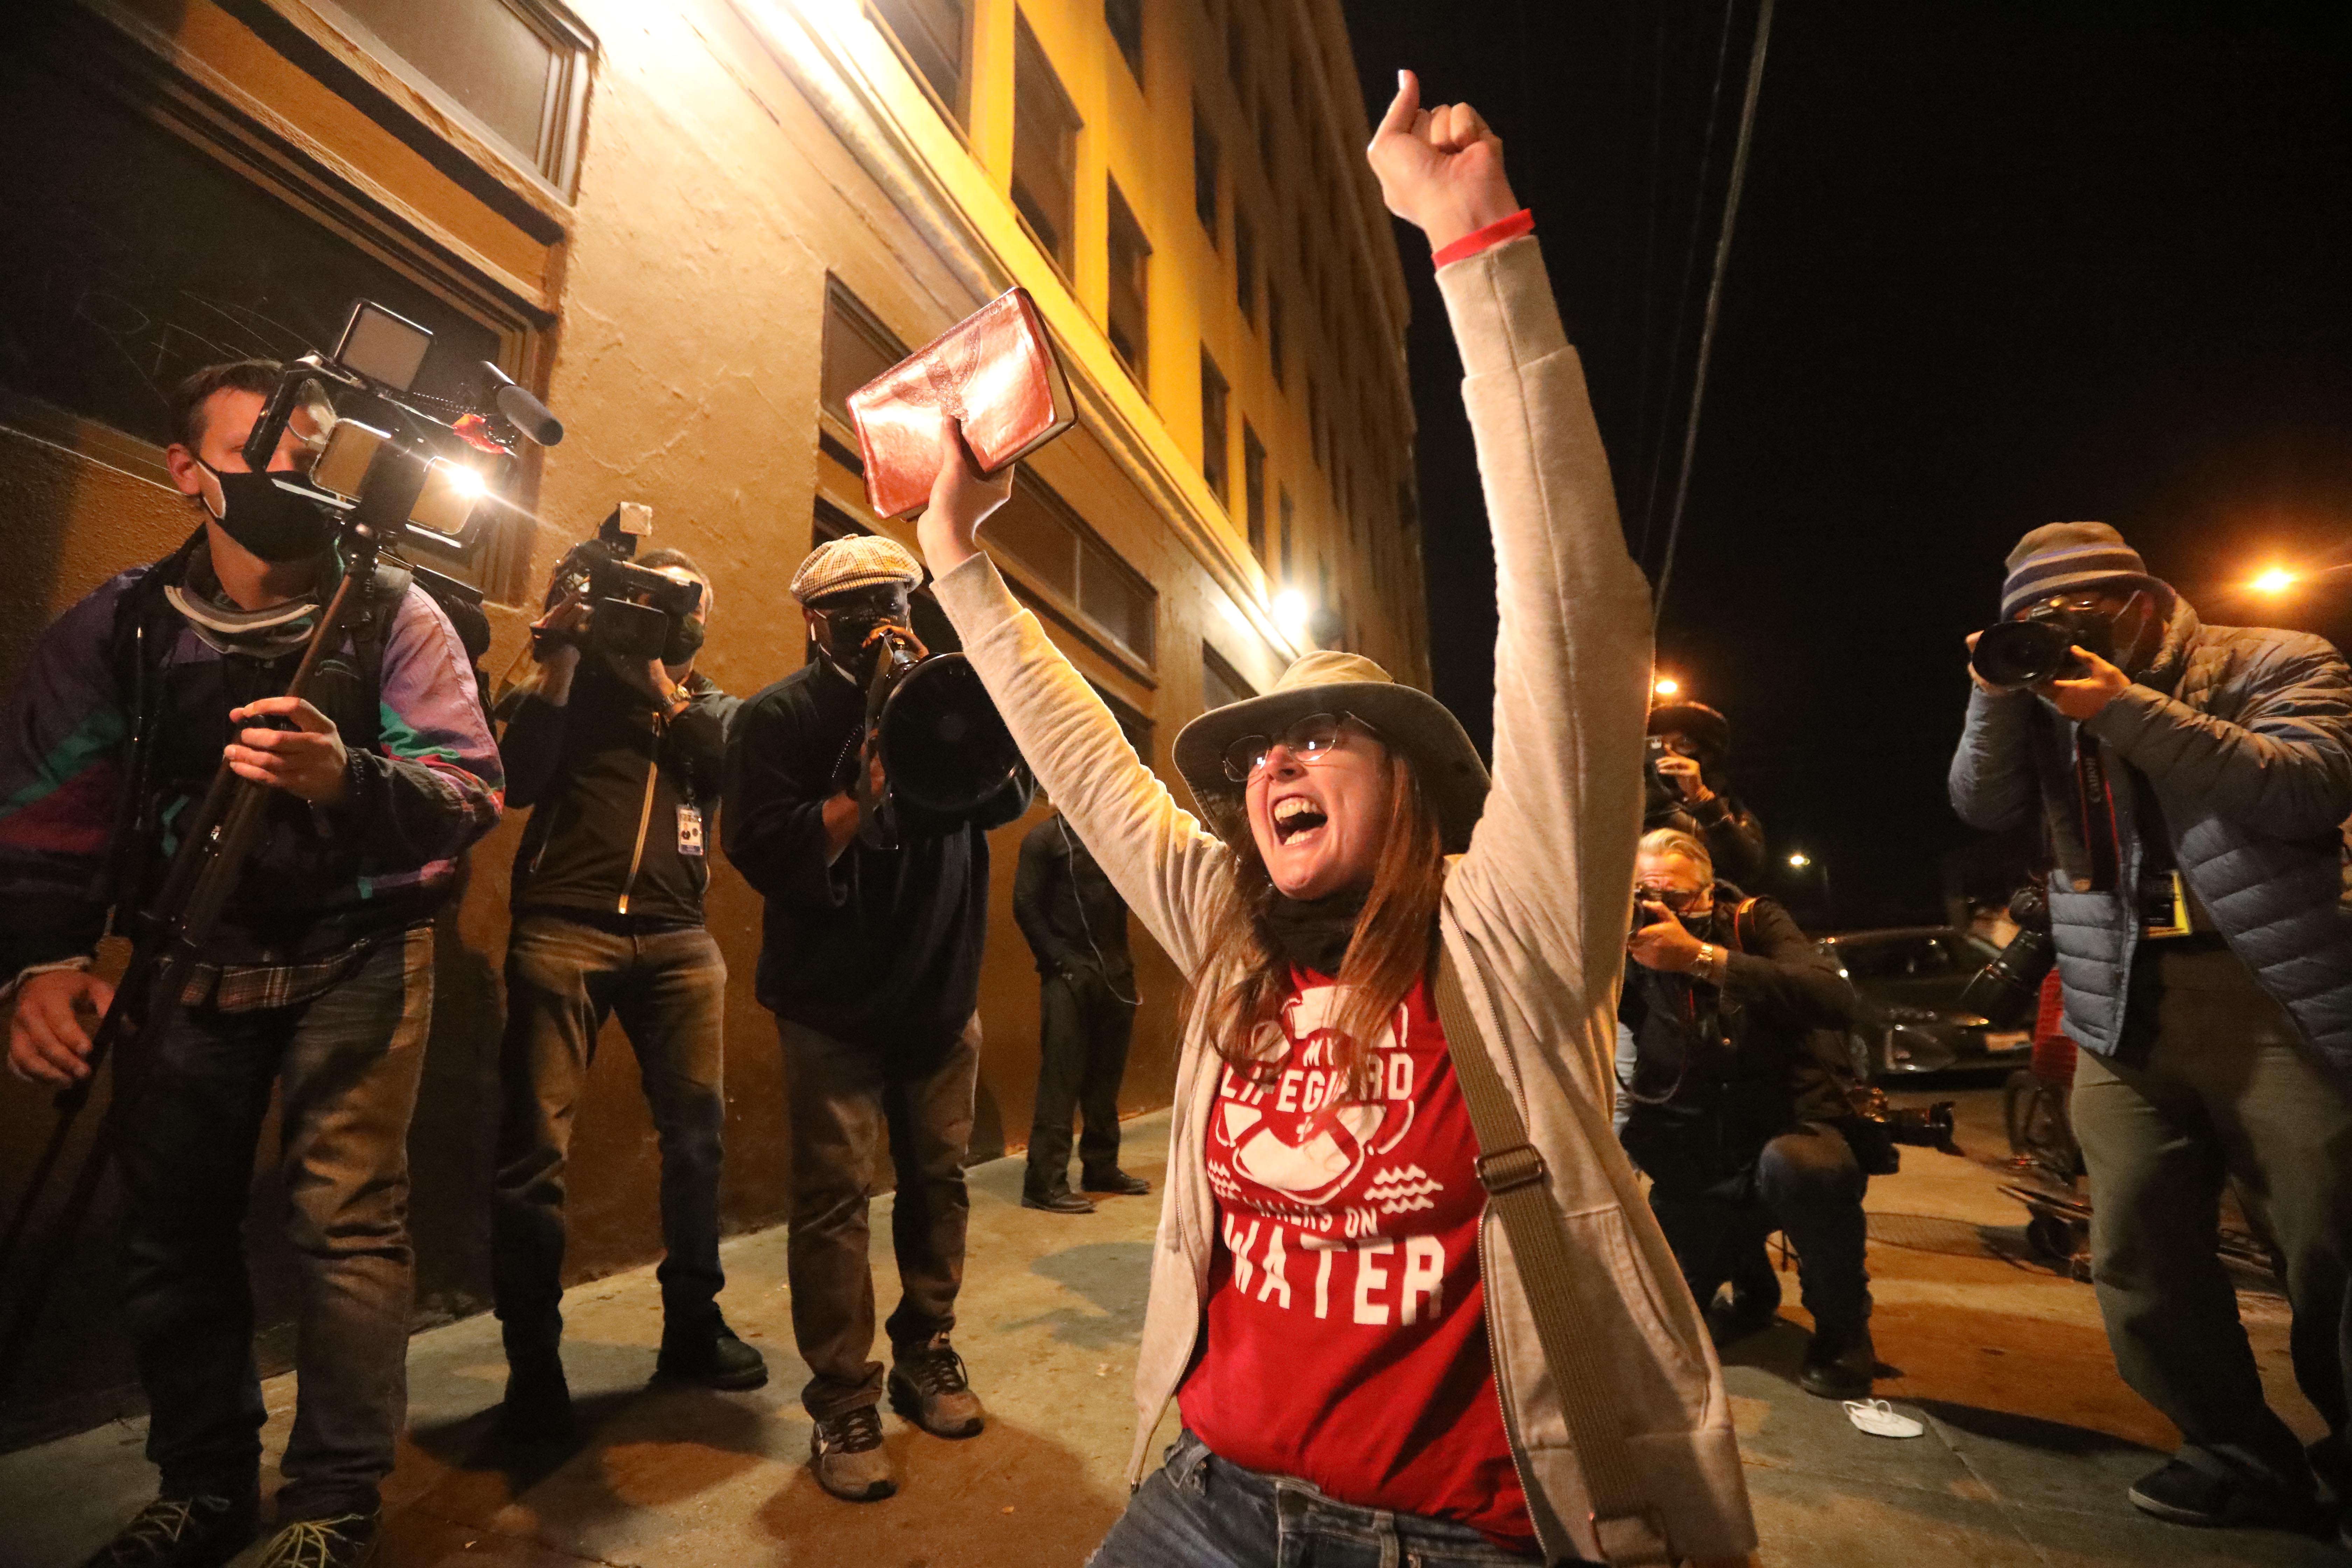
{"x": 871, "y": 965}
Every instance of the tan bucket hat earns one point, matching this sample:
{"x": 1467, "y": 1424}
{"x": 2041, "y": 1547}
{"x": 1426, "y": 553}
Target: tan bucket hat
{"x": 1412, "y": 721}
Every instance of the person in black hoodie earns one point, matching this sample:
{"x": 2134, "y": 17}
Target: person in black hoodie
{"x": 1075, "y": 924}
{"x": 1730, "y": 1100}
{"x": 871, "y": 962}
{"x": 619, "y": 764}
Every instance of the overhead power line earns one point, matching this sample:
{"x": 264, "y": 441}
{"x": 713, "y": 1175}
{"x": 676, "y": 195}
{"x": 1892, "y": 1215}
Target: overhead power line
{"x": 1714, "y": 297}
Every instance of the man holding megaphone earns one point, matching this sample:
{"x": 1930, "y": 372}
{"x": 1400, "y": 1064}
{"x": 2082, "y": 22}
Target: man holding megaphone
{"x": 871, "y": 964}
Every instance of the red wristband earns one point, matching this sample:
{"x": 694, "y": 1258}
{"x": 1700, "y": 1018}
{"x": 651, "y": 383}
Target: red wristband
{"x": 1520, "y": 222}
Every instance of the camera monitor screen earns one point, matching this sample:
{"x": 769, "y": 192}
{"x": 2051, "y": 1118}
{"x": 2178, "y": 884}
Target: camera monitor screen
{"x": 381, "y": 346}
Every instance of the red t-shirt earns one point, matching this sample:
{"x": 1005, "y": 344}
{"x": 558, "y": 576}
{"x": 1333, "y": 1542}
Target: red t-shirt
{"x": 1346, "y": 1340}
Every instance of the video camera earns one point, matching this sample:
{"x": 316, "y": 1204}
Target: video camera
{"x": 634, "y": 611}
{"x": 378, "y": 460}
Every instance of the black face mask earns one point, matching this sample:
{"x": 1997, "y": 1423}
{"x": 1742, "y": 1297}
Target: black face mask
{"x": 685, "y": 639}
{"x": 853, "y": 621}
{"x": 275, "y": 524}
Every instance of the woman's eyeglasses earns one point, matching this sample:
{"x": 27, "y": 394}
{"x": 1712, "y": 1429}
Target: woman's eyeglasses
{"x": 1310, "y": 740}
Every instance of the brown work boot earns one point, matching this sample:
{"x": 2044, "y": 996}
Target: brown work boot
{"x": 846, "y": 1452}
{"x": 928, "y": 1387}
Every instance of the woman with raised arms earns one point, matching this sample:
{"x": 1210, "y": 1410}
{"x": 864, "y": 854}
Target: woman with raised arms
{"x": 1336, "y": 1305}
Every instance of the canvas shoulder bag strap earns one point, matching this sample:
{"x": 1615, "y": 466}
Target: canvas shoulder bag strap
{"x": 1575, "y": 1352}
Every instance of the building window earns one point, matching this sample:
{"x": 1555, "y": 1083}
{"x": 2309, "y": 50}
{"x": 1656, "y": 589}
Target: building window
{"x": 931, "y": 33}
{"x": 1237, "y": 60}
{"x": 1315, "y": 418}
{"x": 1214, "y": 436}
{"x": 1125, "y": 20}
{"x": 1288, "y": 519}
{"x": 1040, "y": 531}
{"x": 1045, "y": 146}
{"x": 517, "y": 69}
{"x": 1274, "y": 329}
{"x": 1221, "y": 685}
{"x": 857, "y": 347}
{"x": 1131, "y": 277}
{"x": 1245, "y": 265}
{"x": 1205, "y": 174}
{"x": 1254, "y": 489}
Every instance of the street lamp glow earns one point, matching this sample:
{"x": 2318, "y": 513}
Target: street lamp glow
{"x": 1291, "y": 615}
{"x": 1666, "y": 686}
{"x": 1800, "y": 860}
{"x": 2277, "y": 580}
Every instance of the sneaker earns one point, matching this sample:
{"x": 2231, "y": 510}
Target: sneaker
{"x": 928, "y": 1387}
{"x": 715, "y": 1360}
{"x": 183, "y": 1533}
{"x": 346, "y": 1541}
{"x": 1115, "y": 1180}
{"x": 1056, "y": 1199}
{"x": 2179, "y": 1493}
{"x": 1839, "y": 1365}
{"x": 538, "y": 1403}
{"x": 846, "y": 1452}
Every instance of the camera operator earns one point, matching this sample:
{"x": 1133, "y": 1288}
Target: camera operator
{"x": 1690, "y": 744}
{"x": 319, "y": 978}
{"x": 871, "y": 965}
{"x": 2191, "y": 779}
{"x": 1075, "y": 924}
{"x": 1727, "y": 1105}
{"x": 620, "y": 760}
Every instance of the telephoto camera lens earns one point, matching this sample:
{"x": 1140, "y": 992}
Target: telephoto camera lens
{"x": 2007, "y": 992}
{"x": 2022, "y": 653}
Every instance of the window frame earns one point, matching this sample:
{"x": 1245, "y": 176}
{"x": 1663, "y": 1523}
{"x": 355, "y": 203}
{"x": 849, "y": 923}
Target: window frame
{"x": 1253, "y": 489}
{"x": 956, "y": 110}
{"x": 1134, "y": 57}
{"x": 1029, "y": 50}
{"x": 1206, "y": 160}
{"x": 1216, "y": 447}
{"x": 1115, "y": 208}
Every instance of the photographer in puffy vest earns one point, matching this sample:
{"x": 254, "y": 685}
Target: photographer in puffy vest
{"x": 620, "y": 762}
{"x": 2191, "y": 779}
{"x": 1730, "y": 1099}
{"x": 318, "y": 980}
{"x": 1690, "y": 745}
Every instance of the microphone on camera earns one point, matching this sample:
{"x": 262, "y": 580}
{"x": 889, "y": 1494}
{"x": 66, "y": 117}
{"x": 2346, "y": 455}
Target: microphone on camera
{"x": 524, "y": 412}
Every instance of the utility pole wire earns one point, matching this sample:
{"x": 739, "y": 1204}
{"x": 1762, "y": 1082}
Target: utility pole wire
{"x": 1714, "y": 299}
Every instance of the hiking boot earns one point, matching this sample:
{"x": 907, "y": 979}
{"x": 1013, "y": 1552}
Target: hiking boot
{"x": 345, "y": 1540}
{"x": 846, "y": 1452}
{"x": 716, "y": 1359}
{"x": 183, "y": 1533}
{"x": 2179, "y": 1493}
{"x": 1116, "y": 1182}
{"x": 1054, "y": 1199}
{"x": 1839, "y": 1363}
{"x": 538, "y": 1403}
{"x": 928, "y": 1387}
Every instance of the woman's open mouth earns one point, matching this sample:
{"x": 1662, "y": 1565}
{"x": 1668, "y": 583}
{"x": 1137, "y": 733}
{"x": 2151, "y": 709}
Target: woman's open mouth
{"x": 1295, "y": 817}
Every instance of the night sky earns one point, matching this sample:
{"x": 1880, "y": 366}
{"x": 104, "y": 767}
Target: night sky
{"x": 1995, "y": 264}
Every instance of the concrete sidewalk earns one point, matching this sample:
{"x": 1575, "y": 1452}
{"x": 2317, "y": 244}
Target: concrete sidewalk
{"x": 2030, "y": 1438}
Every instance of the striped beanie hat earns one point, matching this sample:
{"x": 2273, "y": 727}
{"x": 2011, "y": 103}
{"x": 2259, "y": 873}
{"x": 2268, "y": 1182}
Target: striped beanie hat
{"x": 2061, "y": 556}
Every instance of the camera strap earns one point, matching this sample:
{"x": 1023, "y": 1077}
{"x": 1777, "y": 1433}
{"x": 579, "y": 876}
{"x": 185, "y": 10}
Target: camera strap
{"x": 1577, "y": 1349}
{"x": 2094, "y": 806}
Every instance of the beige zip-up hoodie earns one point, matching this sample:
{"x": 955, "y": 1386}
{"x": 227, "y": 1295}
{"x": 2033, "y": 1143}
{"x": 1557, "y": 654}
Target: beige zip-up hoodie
{"x": 1535, "y": 915}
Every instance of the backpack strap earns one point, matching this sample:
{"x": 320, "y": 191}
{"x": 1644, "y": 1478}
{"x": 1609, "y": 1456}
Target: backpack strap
{"x": 370, "y": 633}
{"x": 1558, "y": 1293}
{"x": 1741, "y": 935}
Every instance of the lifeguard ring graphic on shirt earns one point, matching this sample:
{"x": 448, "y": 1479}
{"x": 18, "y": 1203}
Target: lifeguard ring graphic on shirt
{"x": 1307, "y": 1155}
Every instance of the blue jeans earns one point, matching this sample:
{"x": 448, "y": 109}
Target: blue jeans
{"x": 1198, "y": 1511}
{"x": 345, "y": 1064}
{"x": 564, "y": 978}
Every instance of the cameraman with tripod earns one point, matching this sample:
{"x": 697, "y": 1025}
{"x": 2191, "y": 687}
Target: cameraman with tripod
{"x": 620, "y": 758}
{"x": 2191, "y": 779}
{"x": 1729, "y": 1101}
{"x": 319, "y": 979}
{"x": 871, "y": 965}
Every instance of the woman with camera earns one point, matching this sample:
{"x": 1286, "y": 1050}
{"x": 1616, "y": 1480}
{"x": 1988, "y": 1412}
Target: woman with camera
{"x": 1353, "y": 1329}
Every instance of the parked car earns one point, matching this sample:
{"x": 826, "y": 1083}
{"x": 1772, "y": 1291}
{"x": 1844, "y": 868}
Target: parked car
{"x": 1908, "y": 983}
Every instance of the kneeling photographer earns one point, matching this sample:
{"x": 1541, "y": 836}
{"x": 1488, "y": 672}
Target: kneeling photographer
{"x": 2191, "y": 779}
{"x": 616, "y": 744}
{"x": 1731, "y": 1104}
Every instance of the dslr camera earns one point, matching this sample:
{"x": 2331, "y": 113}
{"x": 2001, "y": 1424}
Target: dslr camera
{"x": 634, "y": 612}
{"x": 2040, "y": 645}
{"x": 2007, "y": 991}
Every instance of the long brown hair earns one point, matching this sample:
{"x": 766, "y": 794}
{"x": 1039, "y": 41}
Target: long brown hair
{"x": 1387, "y": 953}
